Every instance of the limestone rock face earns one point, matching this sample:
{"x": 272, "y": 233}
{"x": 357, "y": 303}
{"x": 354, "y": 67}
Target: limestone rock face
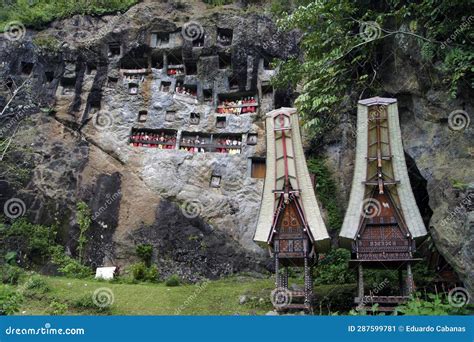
{"x": 108, "y": 76}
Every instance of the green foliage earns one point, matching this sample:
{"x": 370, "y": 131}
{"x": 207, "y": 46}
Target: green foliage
{"x": 37, "y": 14}
{"x": 48, "y": 43}
{"x": 86, "y": 303}
{"x": 11, "y": 274}
{"x": 333, "y": 298}
{"x": 217, "y": 2}
{"x": 67, "y": 265}
{"x": 84, "y": 220}
{"x": 145, "y": 252}
{"x": 10, "y": 300}
{"x": 36, "y": 287}
{"x": 57, "y": 308}
{"x": 326, "y": 189}
{"x": 433, "y": 305}
{"x": 338, "y": 60}
{"x": 140, "y": 272}
{"x": 333, "y": 268}
{"x": 10, "y": 257}
{"x": 33, "y": 240}
{"x": 173, "y": 280}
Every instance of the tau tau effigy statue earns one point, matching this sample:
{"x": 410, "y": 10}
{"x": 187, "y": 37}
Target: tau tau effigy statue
{"x": 382, "y": 222}
{"x": 289, "y": 222}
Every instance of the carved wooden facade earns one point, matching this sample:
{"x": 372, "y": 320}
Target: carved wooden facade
{"x": 290, "y": 222}
{"x": 382, "y": 221}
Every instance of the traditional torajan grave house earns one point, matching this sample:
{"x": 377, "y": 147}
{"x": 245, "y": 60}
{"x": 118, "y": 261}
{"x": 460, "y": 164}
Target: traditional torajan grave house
{"x": 289, "y": 222}
{"x": 382, "y": 222}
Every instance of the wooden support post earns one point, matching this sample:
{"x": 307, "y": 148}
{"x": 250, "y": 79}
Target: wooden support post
{"x": 400, "y": 282}
{"x": 410, "y": 282}
{"x": 308, "y": 286}
{"x": 277, "y": 271}
{"x": 285, "y": 278}
{"x": 360, "y": 278}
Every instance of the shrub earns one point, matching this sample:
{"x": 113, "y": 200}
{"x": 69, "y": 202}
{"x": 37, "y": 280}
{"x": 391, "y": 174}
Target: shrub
{"x": 334, "y": 268}
{"x": 84, "y": 220}
{"x": 56, "y": 308}
{"x": 332, "y": 298}
{"x": 10, "y": 257}
{"x": 32, "y": 240}
{"x": 36, "y": 285}
{"x": 145, "y": 252}
{"x": 173, "y": 280}
{"x": 86, "y": 303}
{"x": 141, "y": 272}
{"x": 11, "y": 274}
{"x": 10, "y": 300}
{"x": 432, "y": 305}
{"x": 67, "y": 265}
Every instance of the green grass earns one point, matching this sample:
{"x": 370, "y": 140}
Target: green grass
{"x": 220, "y": 297}
{"x": 37, "y": 14}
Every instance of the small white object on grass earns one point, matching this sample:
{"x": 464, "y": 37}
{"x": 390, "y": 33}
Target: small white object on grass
{"x": 106, "y": 273}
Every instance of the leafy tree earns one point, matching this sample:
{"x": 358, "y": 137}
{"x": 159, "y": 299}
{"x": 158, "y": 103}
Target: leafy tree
{"x": 84, "y": 220}
{"x": 341, "y": 47}
{"x": 145, "y": 252}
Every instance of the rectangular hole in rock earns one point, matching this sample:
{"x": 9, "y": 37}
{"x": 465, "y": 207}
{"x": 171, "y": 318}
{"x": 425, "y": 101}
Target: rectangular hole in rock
{"x": 157, "y": 61}
{"x": 133, "y": 88}
{"x": 165, "y": 86}
{"x": 112, "y": 81}
{"x": 194, "y": 118}
{"x": 224, "y": 36}
{"x": 252, "y": 139}
{"x": 221, "y": 122}
{"x": 175, "y": 58}
{"x": 215, "y": 181}
{"x": 199, "y": 41}
{"x": 186, "y": 89}
{"x": 114, "y": 49}
{"x": 26, "y": 68}
{"x": 68, "y": 85}
{"x": 91, "y": 67}
{"x": 159, "y": 39}
{"x": 142, "y": 115}
{"x": 207, "y": 94}
{"x": 49, "y": 75}
{"x": 258, "y": 168}
{"x": 267, "y": 91}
